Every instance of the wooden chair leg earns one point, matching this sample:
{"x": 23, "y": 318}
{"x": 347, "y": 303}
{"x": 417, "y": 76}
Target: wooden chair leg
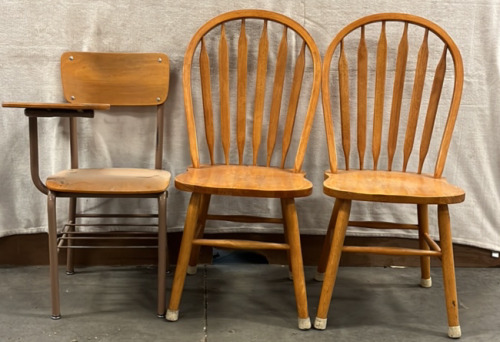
{"x": 335, "y": 251}
{"x": 293, "y": 237}
{"x": 70, "y": 267}
{"x": 448, "y": 265}
{"x": 184, "y": 256}
{"x": 195, "y": 249}
{"x": 323, "y": 259}
{"x": 290, "y": 274}
{"x": 162, "y": 253}
{"x": 53, "y": 260}
{"x": 425, "y": 261}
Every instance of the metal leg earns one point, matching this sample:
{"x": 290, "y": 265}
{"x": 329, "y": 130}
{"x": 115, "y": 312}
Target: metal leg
{"x": 162, "y": 252}
{"x": 70, "y": 268}
{"x": 54, "y": 274}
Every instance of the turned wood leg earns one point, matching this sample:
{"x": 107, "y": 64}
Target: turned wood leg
{"x": 450, "y": 289}
{"x": 290, "y": 274}
{"x": 323, "y": 259}
{"x": 53, "y": 260}
{"x": 70, "y": 268}
{"x": 202, "y": 219}
{"x": 425, "y": 261}
{"x": 335, "y": 251}
{"x": 162, "y": 253}
{"x": 293, "y": 238}
{"x": 184, "y": 255}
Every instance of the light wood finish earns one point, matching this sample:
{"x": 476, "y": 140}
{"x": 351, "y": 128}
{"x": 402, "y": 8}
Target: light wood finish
{"x": 241, "y": 244}
{"x": 62, "y": 106}
{"x": 242, "y": 91}
{"x": 244, "y": 180}
{"x": 378, "y": 111}
{"x": 206, "y": 90}
{"x": 95, "y": 81}
{"x": 410, "y": 185}
{"x": 397, "y": 96}
{"x": 109, "y": 181}
{"x": 279, "y": 79}
{"x": 362, "y": 97}
{"x": 260, "y": 90}
{"x": 391, "y": 186}
{"x": 268, "y": 176}
{"x": 123, "y": 79}
{"x": 224, "y": 93}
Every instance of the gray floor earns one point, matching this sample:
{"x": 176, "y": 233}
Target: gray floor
{"x": 244, "y": 302}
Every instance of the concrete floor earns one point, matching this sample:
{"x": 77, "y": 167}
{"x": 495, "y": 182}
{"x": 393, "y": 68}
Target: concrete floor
{"x": 244, "y": 302}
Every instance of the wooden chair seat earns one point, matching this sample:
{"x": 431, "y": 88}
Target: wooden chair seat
{"x": 110, "y": 181}
{"x": 243, "y": 180}
{"x": 390, "y": 186}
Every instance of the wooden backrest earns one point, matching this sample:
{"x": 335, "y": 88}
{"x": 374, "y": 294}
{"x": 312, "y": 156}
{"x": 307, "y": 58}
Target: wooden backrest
{"x": 247, "y": 63}
{"x": 121, "y": 79}
{"x": 397, "y": 84}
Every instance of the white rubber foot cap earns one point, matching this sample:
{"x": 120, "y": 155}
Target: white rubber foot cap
{"x": 454, "y": 332}
{"x": 426, "y": 283}
{"x": 172, "y": 315}
{"x": 191, "y": 270}
{"x": 320, "y": 323}
{"x": 319, "y": 276}
{"x": 304, "y": 323}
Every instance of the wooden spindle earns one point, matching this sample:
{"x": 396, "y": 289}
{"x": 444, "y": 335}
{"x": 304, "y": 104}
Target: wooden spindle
{"x": 397, "y": 96}
{"x": 224, "y": 92}
{"x": 279, "y": 78}
{"x": 241, "y": 92}
{"x": 260, "y": 89}
{"x": 430, "y": 118}
{"x": 298, "y": 75}
{"x": 206, "y": 90}
{"x": 416, "y": 99}
{"x": 362, "y": 97}
{"x": 344, "y": 104}
{"x": 379, "y": 95}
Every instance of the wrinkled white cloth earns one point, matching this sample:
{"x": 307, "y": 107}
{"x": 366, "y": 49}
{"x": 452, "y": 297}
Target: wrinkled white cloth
{"x": 33, "y": 35}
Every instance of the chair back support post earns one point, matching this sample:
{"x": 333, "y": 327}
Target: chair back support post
{"x": 160, "y": 119}
{"x": 34, "y": 162}
{"x": 73, "y": 136}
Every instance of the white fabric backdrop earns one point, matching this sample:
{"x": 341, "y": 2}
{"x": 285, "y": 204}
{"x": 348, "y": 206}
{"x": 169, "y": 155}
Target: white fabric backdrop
{"x": 33, "y": 34}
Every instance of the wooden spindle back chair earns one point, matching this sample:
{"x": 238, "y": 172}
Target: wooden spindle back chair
{"x": 386, "y": 99}
{"x": 96, "y": 81}
{"x": 276, "y": 89}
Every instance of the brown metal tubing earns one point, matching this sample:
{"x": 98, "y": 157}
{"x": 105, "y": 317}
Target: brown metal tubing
{"x": 73, "y": 143}
{"x": 35, "y": 170}
{"x": 110, "y": 225}
{"x": 159, "y": 137}
{"x": 116, "y": 215}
